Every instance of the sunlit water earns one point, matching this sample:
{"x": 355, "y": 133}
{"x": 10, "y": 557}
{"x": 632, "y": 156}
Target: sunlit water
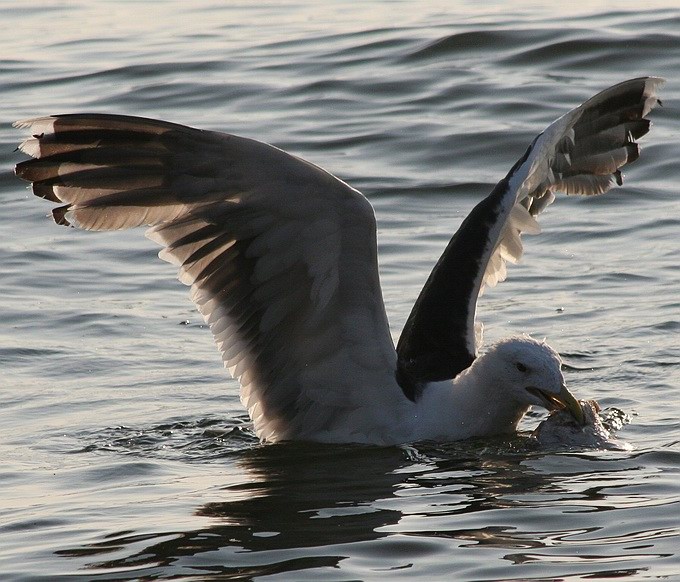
{"x": 125, "y": 452}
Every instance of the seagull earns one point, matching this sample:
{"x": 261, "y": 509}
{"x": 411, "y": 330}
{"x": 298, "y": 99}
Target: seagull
{"x": 281, "y": 259}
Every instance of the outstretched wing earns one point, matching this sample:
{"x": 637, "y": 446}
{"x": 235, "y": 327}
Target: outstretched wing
{"x": 580, "y": 153}
{"x": 279, "y": 254}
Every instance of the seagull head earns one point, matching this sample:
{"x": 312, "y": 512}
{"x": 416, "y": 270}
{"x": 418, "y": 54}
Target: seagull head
{"x": 530, "y": 373}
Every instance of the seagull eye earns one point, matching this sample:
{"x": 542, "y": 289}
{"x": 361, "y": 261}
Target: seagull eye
{"x": 521, "y": 367}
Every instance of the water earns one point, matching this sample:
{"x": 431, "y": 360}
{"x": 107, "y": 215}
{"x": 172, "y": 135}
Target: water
{"x": 126, "y": 454}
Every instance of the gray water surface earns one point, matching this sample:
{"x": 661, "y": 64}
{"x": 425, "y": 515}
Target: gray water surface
{"x": 125, "y": 451}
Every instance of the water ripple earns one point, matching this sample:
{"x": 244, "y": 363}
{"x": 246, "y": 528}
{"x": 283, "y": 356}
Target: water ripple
{"x": 126, "y": 452}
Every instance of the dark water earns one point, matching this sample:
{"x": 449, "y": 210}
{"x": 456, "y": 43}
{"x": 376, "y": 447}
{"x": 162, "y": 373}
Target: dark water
{"x": 125, "y": 452}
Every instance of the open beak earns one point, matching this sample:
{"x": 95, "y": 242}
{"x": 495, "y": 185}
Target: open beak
{"x": 564, "y": 400}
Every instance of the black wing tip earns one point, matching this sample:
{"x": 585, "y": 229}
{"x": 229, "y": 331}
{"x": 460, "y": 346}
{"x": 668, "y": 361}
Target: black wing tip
{"x": 45, "y": 190}
{"x": 639, "y": 129}
{"x": 21, "y": 168}
{"x": 632, "y": 152}
{"x": 59, "y": 215}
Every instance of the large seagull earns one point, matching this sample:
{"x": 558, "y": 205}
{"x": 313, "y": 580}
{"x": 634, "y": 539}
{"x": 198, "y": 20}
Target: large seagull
{"x": 281, "y": 259}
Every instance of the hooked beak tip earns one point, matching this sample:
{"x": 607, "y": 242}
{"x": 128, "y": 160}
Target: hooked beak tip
{"x": 572, "y": 405}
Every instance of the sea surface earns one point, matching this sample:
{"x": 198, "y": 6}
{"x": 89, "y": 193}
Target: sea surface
{"x": 124, "y": 451}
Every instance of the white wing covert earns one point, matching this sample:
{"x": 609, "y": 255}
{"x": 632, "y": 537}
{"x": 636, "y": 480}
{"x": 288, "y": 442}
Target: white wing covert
{"x": 279, "y": 254}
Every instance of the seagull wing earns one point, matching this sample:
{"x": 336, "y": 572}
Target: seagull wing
{"x": 279, "y": 254}
{"x": 580, "y": 153}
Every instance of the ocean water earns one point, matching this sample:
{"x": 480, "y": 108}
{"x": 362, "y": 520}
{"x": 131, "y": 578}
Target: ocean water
{"x": 125, "y": 453}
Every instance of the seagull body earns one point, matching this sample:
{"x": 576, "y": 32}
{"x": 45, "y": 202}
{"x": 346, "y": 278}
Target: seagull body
{"x": 281, "y": 258}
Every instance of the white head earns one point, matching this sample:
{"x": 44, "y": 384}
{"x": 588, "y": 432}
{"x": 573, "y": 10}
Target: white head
{"x": 528, "y": 372}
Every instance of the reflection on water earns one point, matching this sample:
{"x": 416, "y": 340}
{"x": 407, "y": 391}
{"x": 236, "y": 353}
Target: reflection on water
{"x": 291, "y": 497}
{"x": 300, "y": 507}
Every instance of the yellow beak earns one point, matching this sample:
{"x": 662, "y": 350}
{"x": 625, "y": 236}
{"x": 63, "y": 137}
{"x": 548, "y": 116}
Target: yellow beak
{"x": 565, "y": 399}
